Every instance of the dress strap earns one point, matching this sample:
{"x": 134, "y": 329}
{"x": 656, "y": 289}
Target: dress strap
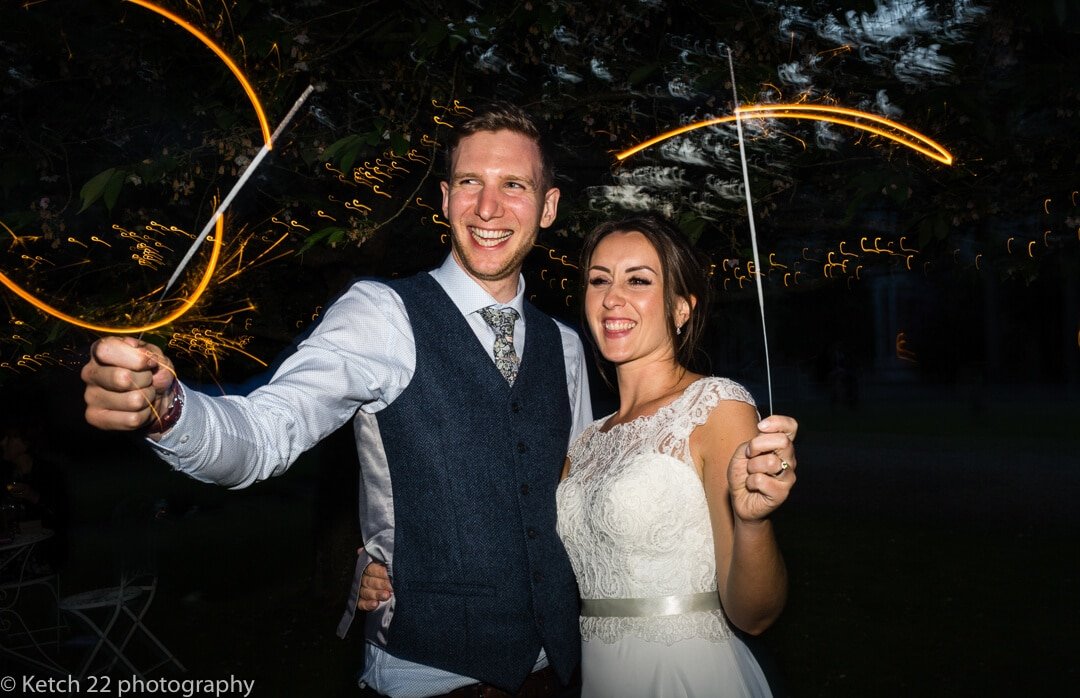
{"x": 657, "y": 606}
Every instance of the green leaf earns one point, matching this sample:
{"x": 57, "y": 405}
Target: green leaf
{"x": 434, "y": 34}
{"x": 332, "y": 151}
{"x": 93, "y": 190}
{"x": 331, "y": 235}
{"x": 692, "y": 226}
{"x": 112, "y": 189}
{"x": 344, "y": 152}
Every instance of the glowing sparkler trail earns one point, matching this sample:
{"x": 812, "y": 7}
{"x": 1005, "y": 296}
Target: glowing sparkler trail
{"x": 235, "y": 190}
{"x": 217, "y": 220}
{"x": 753, "y": 231}
{"x": 842, "y": 116}
{"x": 181, "y": 22}
{"x": 192, "y": 298}
{"x": 816, "y": 112}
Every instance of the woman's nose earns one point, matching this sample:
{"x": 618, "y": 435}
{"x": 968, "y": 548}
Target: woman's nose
{"x": 613, "y": 297}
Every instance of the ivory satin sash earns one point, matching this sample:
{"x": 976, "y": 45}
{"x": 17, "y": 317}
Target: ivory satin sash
{"x": 657, "y": 606}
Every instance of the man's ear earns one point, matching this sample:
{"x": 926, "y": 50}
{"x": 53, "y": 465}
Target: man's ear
{"x": 551, "y": 207}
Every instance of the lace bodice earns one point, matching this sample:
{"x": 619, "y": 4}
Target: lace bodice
{"x": 634, "y": 520}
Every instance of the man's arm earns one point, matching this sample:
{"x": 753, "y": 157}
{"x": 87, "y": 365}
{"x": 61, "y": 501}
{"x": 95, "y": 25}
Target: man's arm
{"x": 361, "y": 354}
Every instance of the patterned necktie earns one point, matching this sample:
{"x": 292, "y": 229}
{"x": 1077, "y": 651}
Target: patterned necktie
{"x": 502, "y": 321}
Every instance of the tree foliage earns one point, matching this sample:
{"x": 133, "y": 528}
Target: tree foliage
{"x": 113, "y": 118}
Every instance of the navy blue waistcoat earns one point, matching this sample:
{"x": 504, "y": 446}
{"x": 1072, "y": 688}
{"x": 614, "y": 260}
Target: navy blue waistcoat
{"x": 481, "y": 579}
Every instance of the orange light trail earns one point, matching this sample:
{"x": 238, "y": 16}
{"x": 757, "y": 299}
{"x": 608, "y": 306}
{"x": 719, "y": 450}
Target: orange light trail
{"x": 190, "y": 301}
{"x": 215, "y": 252}
{"x": 816, "y": 112}
{"x": 188, "y": 27}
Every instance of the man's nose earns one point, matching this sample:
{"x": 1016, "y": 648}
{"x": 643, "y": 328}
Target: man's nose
{"x": 488, "y": 204}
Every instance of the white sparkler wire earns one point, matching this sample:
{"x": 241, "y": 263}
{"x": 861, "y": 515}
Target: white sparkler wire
{"x": 250, "y": 170}
{"x": 753, "y": 229}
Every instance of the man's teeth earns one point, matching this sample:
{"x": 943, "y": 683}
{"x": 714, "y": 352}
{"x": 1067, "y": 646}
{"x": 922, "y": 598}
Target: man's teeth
{"x": 619, "y": 325}
{"x": 489, "y": 238}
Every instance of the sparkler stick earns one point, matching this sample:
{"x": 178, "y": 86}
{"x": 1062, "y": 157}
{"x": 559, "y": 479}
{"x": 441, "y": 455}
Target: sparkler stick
{"x": 250, "y": 170}
{"x": 753, "y": 228}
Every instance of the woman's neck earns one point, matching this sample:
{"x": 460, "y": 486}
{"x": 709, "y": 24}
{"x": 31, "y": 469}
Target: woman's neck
{"x": 645, "y": 388}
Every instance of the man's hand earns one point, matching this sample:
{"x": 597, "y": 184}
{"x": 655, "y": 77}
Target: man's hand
{"x": 374, "y": 587}
{"x": 127, "y": 384}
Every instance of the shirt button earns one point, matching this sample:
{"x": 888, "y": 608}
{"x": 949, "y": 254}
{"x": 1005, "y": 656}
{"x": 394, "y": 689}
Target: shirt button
{"x": 522, "y": 448}
{"x": 184, "y": 439}
{"x": 525, "y": 489}
{"x": 515, "y": 407}
{"x": 538, "y": 577}
{"x": 531, "y": 532}
{"x": 539, "y": 618}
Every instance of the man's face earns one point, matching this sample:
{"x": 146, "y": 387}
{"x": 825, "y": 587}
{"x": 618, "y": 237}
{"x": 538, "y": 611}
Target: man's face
{"x": 495, "y": 205}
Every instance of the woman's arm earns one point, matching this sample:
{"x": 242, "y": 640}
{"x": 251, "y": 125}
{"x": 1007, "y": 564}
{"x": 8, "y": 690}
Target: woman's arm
{"x": 741, "y": 464}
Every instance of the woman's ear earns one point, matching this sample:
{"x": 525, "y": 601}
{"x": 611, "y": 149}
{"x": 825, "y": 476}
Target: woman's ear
{"x": 683, "y": 308}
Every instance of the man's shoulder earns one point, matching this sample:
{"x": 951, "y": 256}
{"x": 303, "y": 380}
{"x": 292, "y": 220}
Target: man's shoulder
{"x": 367, "y": 296}
{"x": 569, "y": 335}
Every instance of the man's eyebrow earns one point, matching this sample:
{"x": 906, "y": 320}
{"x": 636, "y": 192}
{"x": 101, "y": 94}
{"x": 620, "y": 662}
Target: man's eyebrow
{"x": 523, "y": 179}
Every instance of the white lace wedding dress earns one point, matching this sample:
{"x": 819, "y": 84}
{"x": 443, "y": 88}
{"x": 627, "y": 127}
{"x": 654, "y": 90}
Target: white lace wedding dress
{"x": 633, "y": 518}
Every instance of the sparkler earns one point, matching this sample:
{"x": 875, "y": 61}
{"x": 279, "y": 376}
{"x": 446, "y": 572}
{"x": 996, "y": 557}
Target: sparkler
{"x": 753, "y": 230}
{"x": 842, "y": 116}
{"x": 250, "y": 170}
{"x": 217, "y": 220}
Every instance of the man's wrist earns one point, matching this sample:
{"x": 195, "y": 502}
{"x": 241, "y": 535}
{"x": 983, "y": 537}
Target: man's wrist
{"x": 170, "y": 415}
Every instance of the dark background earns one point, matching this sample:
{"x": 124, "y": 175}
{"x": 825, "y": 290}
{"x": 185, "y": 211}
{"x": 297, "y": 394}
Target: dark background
{"x": 931, "y": 537}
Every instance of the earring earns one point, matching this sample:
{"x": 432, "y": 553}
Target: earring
{"x": 678, "y": 330}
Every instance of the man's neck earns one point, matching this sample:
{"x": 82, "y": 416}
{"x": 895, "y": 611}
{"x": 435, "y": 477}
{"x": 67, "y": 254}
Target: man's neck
{"x": 503, "y": 290}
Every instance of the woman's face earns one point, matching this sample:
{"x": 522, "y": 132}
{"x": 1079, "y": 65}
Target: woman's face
{"x": 624, "y": 301}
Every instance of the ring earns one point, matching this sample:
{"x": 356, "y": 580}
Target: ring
{"x": 784, "y": 465}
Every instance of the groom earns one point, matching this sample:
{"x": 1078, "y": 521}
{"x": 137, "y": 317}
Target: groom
{"x": 464, "y": 399}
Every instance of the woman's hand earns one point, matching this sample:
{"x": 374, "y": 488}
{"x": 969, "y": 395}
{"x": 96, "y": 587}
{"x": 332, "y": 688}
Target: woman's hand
{"x": 762, "y": 470}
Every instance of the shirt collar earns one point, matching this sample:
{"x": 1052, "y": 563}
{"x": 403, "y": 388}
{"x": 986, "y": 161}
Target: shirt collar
{"x": 470, "y": 296}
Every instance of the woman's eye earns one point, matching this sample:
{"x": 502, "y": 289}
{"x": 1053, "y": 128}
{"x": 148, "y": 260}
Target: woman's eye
{"x": 597, "y": 281}
{"x": 639, "y": 281}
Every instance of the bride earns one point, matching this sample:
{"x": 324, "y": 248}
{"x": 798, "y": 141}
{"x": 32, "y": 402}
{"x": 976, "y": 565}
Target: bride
{"x": 664, "y": 505}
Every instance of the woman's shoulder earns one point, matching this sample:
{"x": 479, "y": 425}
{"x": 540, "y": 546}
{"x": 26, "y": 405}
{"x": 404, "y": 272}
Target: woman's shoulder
{"x": 714, "y": 389}
{"x": 704, "y": 396}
